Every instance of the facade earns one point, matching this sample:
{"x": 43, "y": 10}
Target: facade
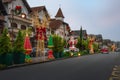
{"x": 18, "y": 18}
{"x": 59, "y": 27}
{"x": 3, "y": 13}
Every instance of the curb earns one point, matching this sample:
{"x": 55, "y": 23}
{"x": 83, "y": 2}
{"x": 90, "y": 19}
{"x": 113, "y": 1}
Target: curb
{"x": 27, "y": 64}
{"x": 41, "y": 62}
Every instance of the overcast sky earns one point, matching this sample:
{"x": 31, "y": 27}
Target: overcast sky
{"x": 96, "y": 16}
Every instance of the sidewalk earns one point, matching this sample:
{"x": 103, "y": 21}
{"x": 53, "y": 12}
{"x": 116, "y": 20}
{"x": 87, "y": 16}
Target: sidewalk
{"x": 35, "y": 60}
{"x": 39, "y": 59}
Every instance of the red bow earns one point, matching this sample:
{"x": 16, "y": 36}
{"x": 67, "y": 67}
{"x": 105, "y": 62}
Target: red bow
{"x": 18, "y": 7}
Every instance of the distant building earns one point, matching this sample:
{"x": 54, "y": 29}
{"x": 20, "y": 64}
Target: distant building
{"x": 118, "y": 44}
{"x": 58, "y": 26}
{"x": 76, "y": 33}
{"x": 98, "y": 38}
{"x": 107, "y": 42}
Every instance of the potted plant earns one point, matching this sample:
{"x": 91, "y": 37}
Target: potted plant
{"x": 6, "y": 56}
{"x": 58, "y": 46}
{"x": 19, "y": 56}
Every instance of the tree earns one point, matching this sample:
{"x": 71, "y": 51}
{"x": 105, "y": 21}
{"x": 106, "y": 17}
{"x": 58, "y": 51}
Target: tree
{"x": 81, "y": 38}
{"x": 19, "y": 43}
{"x": 19, "y": 56}
{"x": 59, "y": 44}
{"x": 5, "y": 43}
{"x": 6, "y": 58}
{"x": 50, "y": 42}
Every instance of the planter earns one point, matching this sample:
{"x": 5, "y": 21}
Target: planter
{"x": 2, "y": 58}
{"x": 9, "y": 59}
{"x": 19, "y": 58}
{"x": 61, "y": 54}
{"x": 22, "y": 58}
{"x": 56, "y": 55}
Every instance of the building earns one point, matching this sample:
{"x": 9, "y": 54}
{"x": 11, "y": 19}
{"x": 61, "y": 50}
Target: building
{"x": 99, "y": 38}
{"x": 18, "y": 16}
{"x": 58, "y": 26}
{"x": 107, "y": 42}
{"x": 3, "y": 13}
{"x": 117, "y": 44}
{"x": 76, "y": 33}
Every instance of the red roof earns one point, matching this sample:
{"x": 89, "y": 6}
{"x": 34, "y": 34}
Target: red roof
{"x": 59, "y": 13}
{"x": 55, "y": 24}
{"x": 38, "y": 8}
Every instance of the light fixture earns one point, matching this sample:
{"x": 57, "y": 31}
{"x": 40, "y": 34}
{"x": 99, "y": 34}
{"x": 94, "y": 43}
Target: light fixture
{"x": 71, "y": 54}
{"x": 79, "y": 54}
{"x": 23, "y": 15}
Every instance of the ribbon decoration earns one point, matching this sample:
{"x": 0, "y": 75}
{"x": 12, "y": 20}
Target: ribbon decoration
{"x": 41, "y": 33}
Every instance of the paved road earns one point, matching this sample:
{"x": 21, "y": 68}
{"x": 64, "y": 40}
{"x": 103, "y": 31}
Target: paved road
{"x": 91, "y": 67}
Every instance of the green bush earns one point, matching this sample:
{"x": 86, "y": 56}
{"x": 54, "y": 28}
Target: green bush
{"x": 67, "y": 54}
{"x": 59, "y": 44}
{"x": 84, "y": 52}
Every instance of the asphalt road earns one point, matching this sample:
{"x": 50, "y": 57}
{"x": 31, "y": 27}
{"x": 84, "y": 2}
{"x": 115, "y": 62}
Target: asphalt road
{"x": 90, "y": 67}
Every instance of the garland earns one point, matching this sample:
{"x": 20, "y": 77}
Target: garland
{"x": 18, "y": 10}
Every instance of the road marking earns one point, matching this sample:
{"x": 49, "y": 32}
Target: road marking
{"x": 114, "y": 78}
{"x": 115, "y": 75}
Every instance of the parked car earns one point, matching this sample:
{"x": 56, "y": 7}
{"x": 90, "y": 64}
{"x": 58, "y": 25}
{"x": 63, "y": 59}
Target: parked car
{"x": 34, "y": 50}
{"x": 104, "y": 49}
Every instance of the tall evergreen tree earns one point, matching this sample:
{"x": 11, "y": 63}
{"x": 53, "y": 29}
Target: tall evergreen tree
{"x": 5, "y": 43}
{"x": 19, "y": 43}
{"x": 81, "y": 38}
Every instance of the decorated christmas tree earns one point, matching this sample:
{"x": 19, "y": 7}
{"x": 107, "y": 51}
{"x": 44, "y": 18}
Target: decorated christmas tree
{"x": 50, "y": 42}
{"x": 6, "y": 58}
{"x": 19, "y": 43}
{"x": 5, "y": 44}
{"x": 19, "y": 56}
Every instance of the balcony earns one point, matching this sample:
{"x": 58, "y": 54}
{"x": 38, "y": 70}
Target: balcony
{"x": 29, "y": 21}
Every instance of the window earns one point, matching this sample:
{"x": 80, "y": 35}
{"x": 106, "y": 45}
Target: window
{"x": 14, "y": 25}
{"x": 23, "y": 27}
